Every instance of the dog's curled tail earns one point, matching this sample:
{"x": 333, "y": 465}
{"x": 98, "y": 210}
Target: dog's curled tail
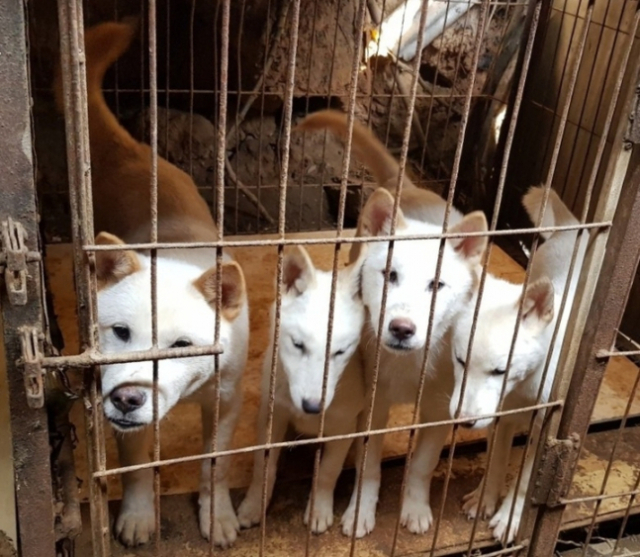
{"x": 366, "y": 146}
{"x": 104, "y": 44}
{"x": 556, "y": 212}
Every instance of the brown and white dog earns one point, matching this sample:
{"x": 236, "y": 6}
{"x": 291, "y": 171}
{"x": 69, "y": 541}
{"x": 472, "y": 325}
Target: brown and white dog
{"x": 186, "y": 302}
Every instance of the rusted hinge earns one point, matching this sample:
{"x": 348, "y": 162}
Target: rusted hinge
{"x": 554, "y": 475}
{"x": 31, "y": 342}
{"x": 14, "y": 257}
{"x": 14, "y": 260}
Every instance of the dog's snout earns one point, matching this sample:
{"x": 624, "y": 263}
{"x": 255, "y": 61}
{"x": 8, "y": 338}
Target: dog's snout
{"x": 402, "y": 329}
{"x": 469, "y": 424}
{"x": 127, "y": 399}
{"x": 311, "y": 406}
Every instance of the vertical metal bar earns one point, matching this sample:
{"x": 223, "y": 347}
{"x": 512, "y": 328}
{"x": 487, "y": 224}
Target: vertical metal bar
{"x": 192, "y": 19}
{"x": 482, "y": 23}
{"x": 433, "y": 97}
{"x": 288, "y": 106}
{"x": 324, "y": 144}
{"x": 78, "y": 159}
{"x": 353, "y": 88}
{"x": 33, "y": 491}
{"x": 153, "y": 201}
{"x": 239, "y": 92}
{"x": 272, "y": 398}
{"x": 220, "y": 164}
{"x": 268, "y": 47}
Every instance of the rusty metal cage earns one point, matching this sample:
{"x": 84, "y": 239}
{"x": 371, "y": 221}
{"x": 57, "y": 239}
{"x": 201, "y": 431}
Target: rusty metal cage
{"x": 478, "y": 102}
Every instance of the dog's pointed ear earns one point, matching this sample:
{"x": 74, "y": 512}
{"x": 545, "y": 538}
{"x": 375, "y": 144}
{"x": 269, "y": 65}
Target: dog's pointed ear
{"x": 113, "y": 266}
{"x": 232, "y": 288}
{"x": 375, "y": 219}
{"x": 470, "y": 248}
{"x": 538, "y": 304}
{"x": 298, "y": 271}
{"x": 353, "y": 272}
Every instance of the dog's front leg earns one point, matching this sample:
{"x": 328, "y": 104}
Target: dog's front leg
{"x": 136, "y": 520}
{"x": 495, "y": 474}
{"x": 416, "y": 509}
{"x": 226, "y": 526}
{"x": 250, "y": 511}
{"x": 505, "y": 530}
{"x": 331, "y": 464}
{"x": 370, "y": 478}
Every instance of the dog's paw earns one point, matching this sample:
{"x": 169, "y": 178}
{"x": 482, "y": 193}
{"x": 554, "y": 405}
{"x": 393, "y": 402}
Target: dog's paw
{"x": 503, "y": 530}
{"x": 366, "y": 520}
{"x": 135, "y": 524}
{"x": 416, "y": 516}
{"x": 226, "y": 525}
{"x": 322, "y": 517}
{"x": 250, "y": 511}
{"x": 487, "y": 508}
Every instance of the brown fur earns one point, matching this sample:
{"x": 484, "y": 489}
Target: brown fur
{"x": 384, "y": 167}
{"x": 415, "y": 203}
{"x": 113, "y": 266}
{"x": 233, "y": 291}
{"x": 121, "y": 166}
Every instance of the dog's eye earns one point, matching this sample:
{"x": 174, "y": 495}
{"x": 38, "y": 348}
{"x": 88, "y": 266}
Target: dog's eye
{"x": 432, "y": 285}
{"x": 338, "y": 353}
{"x": 182, "y": 343}
{"x": 393, "y": 276}
{"x": 460, "y": 361}
{"x": 298, "y": 345}
{"x": 498, "y": 371}
{"x": 122, "y": 332}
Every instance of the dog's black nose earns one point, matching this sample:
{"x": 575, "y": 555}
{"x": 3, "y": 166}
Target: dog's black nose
{"x": 402, "y": 329}
{"x": 468, "y": 424}
{"x": 127, "y": 399}
{"x": 311, "y": 406}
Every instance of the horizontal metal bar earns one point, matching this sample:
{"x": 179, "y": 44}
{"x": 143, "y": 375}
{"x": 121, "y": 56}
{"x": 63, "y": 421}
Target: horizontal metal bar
{"x": 511, "y": 550}
{"x": 91, "y": 358}
{"x": 30, "y": 256}
{"x": 604, "y": 354}
{"x": 341, "y": 239}
{"x": 313, "y": 440}
{"x": 592, "y": 498}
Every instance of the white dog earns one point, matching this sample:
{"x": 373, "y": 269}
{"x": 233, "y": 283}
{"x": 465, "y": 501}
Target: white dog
{"x": 412, "y": 283}
{"x": 299, "y": 377}
{"x": 187, "y": 292}
{"x": 487, "y": 365}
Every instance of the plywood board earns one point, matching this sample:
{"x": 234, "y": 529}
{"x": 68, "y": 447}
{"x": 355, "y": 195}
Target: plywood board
{"x": 180, "y": 431}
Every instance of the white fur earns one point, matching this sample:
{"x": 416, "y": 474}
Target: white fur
{"x": 490, "y": 351}
{"x": 182, "y": 313}
{"x": 410, "y": 298}
{"x": 299, "y": 376}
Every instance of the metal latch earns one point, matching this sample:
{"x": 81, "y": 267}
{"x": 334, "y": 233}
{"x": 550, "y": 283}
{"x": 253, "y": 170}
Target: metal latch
{"x": 554, "y": 475}
{"x": 31, "y": 340}
{"x": 14, "y": 260}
